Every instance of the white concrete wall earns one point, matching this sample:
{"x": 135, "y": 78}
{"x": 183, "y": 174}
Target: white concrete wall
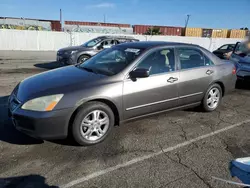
{"x": 52, "y": 41}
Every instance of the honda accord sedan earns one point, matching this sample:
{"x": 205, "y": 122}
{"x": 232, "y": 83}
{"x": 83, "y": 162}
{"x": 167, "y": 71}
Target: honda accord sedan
{"x": 125, "y": 82}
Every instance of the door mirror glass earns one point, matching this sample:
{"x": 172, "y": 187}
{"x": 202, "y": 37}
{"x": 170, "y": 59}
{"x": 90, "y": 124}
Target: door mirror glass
{"x": 139, "y": 73}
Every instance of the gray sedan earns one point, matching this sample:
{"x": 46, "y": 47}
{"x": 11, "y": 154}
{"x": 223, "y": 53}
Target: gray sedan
{"x": 79, "y": 54}
{"x": 125, "y": 82}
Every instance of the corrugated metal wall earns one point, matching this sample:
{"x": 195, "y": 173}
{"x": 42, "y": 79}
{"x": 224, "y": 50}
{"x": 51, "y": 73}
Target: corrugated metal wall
{"x": 98, "y": 29}
{"x": 219, "y": 33}
{"x": 207, "y": 33}
{"x": 140, "y": 29}
{"x": 55, "y": 25}
{"x": 172, "y": 31}
{"x": 165, "y": 30}
{"x": 96, "y": 24}
{"x": 193, "y": 32}
{"x": 236, "y": 33}
{"x": 25, "y": 24}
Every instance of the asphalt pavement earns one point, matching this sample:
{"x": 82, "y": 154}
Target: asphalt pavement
{"x": 175, "y": 149}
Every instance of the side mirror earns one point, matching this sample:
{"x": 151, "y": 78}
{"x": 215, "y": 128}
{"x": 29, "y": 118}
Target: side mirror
{"x": 100, "y": 47}
{"x": 139, "y": 73}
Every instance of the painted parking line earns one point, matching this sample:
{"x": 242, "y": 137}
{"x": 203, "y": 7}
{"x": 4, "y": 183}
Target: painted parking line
{"x": 142, "y": 158}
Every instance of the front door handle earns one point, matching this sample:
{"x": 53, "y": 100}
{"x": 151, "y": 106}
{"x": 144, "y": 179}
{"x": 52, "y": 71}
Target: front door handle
{"x": 172, "y": 80}
{"x": 209, "y": 72}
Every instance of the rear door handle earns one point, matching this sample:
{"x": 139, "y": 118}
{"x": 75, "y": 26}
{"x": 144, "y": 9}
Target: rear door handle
{"x": 172, "y": 80}
{"x": 209, "y": 72}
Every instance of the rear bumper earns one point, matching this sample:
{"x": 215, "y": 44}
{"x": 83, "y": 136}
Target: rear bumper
{"x": 243, "y": 75}
{"x": 43, "y": 125}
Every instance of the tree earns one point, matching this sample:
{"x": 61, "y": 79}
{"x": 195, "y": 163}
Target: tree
{"x": 244, "y": 28}
{"x": 153, "y": 31}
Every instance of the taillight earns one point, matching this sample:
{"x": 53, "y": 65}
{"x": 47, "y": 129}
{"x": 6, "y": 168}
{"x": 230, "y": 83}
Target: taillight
{"x": 234, "y": 70}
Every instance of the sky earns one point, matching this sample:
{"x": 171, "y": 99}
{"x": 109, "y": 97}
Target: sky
{"x": 232, "y": 14}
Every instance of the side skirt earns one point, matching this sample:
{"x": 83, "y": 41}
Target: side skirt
{"x": 170, "y": 109}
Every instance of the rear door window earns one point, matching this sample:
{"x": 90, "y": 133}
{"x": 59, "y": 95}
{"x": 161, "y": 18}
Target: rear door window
{"x": 192, "y": 58}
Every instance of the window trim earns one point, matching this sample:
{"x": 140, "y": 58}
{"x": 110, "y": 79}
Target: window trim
{"x": 192, "y": 48}
{"x": 224, "y": 45}
{"x": 146, "y": 54}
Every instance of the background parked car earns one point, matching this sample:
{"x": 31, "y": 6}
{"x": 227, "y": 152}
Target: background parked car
{"x": 79, "y": 54}
{"x": 223, "y": 50}
{"x": 241, "y": 57}
{"x": 121, "y": 83}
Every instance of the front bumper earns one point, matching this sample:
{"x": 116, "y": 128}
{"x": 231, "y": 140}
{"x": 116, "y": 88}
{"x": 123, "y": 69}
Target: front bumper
{"x": 43, "y": 125}
{"x": 66, "y": 59}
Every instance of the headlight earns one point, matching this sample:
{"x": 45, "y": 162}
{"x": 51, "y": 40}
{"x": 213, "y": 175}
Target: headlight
{"x": 46, "y": 103}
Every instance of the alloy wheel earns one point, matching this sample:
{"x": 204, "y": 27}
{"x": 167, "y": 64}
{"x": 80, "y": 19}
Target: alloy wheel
{"x": 94, "y": 125}
{"x": 213, "y": 98}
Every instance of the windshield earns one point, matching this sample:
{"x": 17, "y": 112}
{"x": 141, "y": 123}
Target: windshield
{"x": 92, "y": 42}
{"x": 111, "y": 61}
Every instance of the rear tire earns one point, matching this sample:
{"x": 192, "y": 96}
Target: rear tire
{"x": 212, "y": 98}
{"x": 93, "y": 123}
{"x": 82, "y": 58}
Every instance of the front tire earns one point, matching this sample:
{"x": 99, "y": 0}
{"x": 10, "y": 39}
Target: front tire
{"x": 212, "y": 98}
{"x": 93, "y": 123}
{"x": 82, "y": 58}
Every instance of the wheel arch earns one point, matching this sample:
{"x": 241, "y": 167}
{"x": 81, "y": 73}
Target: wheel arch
{"x": 105, "y": 101}
{"x": 82, "y": 54}
{"x": 222, "y": 86}
{"x": 220, "y": 83}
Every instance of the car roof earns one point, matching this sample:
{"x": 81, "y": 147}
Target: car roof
{"x": 228, "y": 44}
{"x": 151, "y": 44}
{"x": 116, "y": 37}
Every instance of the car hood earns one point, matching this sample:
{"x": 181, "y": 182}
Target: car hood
{"x": 58, "y": 81}
{"x": 72, "y": 48}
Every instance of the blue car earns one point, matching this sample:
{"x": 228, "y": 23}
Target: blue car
{"x": 241, "y": 57}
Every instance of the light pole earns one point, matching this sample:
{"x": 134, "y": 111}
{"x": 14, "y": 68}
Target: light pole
{"x": 61, "y": 19}
{"x": 186, "y": 21}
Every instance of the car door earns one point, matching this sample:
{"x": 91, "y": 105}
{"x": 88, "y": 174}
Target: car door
{"x": 220, "y": 51}
{"x": 156, "y": 92}
{"x": 196, "y": 74}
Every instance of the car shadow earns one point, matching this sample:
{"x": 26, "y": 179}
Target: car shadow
{"x": 8, "y": 133}
{"x": 242, "y": 85}
{"x": 49, "y": 65}
{"x": 31, "y": 181}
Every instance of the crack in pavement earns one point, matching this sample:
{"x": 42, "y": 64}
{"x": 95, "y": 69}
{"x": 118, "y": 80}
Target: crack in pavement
{"x": 184, "y": 133}
{"x": 186, "y": 166}
{"x": 176, "y": 180}
{"x": 234, "y": 108}
{"x": 225, "y": 143}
